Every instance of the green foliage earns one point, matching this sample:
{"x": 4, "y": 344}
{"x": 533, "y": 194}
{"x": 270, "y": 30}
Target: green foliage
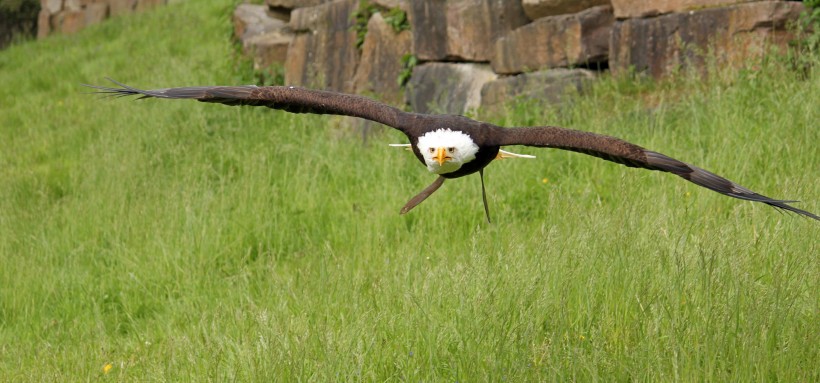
{"x": 810, "y": 22}
{"x": 18, "y": 20}
{"x": 246, "y": 72}
{"x": 11, "y": 7}
{"x": 183, "y": 241}
{"x": 397, "y": 19}
{"x": 812, "y": 4}
{"x": 807, "y": 28}
{"x": 361, "y": 16}
{"x": 408, "y": 62}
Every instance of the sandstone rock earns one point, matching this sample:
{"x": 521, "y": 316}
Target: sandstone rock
{"x": 264, "y": 39}
{"x": 556, "y": 41}
{"x": 293, "y": 4}
{"x": 323, "y": 52}
{"x": 143, "y": 5}
{"x": 536, "y": 9}
{"x": 121, "y": 7}
{"x": 548, "y": 86}
{"x": 642, "y": 8}
{"x": 69, "y": 16}
{"x": 447, "y": 87}
{"x": 43, "y": 23}
{"x": 381, "y": 64}
{"x": 278, "y": 13}
{"x": 402, "y": 4}
{"x": 252, "y": 20}
{"x": 281, "y": 9}
{"x": 72, "y": 5}
{"x": 269, "y": 49}
{"x": 449, "y": 30}
{"x": 95, "y": 13}
{"x": 735, "y": 34}
{"x": 69, "y": 22}
{"x": 52, "y": 6}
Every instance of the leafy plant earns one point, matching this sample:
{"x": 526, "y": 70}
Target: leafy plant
{"x": 397, "y": 19}
{"x": 361, "y": 17}
{"x": 408, "y": 62}
{"x": 807, "y": 30}
{"x": 245, "y": 72}
{"x": 272, "y": 75}
{"x": 19, "y": 20}
{"x": 17, "y": 5}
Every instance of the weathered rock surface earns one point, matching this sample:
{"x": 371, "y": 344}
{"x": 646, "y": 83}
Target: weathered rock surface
{"x": 68, "y": 22}
{"x": 281, "y": 9}
{"x": 70, "y": 16}
{"x": 380, "y": 65}
{"x": 642, "y": 8}
{"x": 269, "y": 49}
{"x": 95, "y": 13}
{"x": 536, "y": 9}
{"x": 447, "y": 88}
{"x": 323, "y": 52}
{"x": 548, "y": 86}
{"x": 735, "y": 34}
{"x": 556, "y": 41}
{"x": 144, "y": 5}
{"x": 293, "y": 4}
{"x": 402, "y": 4}
{"x": 250, "y": 19}
{"x": 448, "y": 30}
{"x": 263, "y": 38}
{"x": 51, "y": 6}
{"x": 120, "y": 7}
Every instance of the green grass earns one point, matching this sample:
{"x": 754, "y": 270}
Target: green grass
{"x": 192, "y": 242}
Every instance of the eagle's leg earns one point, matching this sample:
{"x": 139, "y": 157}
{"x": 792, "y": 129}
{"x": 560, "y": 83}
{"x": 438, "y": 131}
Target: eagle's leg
{"x": 484, "y": 196}
{"x": 413, "y": 202}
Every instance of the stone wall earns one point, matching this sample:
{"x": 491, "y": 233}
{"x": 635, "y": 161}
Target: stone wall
{"x": 681, "y": 38}
{"x": 70, "y": 16}
{"x": 451, "y": 56}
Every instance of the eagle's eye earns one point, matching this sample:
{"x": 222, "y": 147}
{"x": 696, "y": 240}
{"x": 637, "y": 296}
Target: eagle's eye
{"x": 451, "y": 149}
{"x": 432, "y": 150}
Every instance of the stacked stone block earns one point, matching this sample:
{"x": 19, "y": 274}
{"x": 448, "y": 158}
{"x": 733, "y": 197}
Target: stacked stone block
{"x": 481, "y": 53}
{"x": 70, "y": 16}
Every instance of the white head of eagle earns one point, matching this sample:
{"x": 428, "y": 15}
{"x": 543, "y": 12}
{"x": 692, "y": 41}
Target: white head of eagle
{"x": 445, "y": 150}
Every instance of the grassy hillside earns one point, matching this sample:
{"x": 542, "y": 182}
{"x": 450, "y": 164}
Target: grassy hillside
{"x": 171, "y": 240}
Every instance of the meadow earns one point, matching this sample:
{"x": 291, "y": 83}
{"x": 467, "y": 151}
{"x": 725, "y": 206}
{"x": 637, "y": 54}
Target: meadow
{"x": 177, "y": 241}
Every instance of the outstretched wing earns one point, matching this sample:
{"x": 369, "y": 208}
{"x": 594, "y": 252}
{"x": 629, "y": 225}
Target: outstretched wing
{"x": 288, "y": 98}
{"x": 625, "y": 153}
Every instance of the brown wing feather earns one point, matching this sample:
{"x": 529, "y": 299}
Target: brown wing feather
{"x": 606, "y": 147}
{"x": 622, "y": 152}
{"x": 288, "y": 98}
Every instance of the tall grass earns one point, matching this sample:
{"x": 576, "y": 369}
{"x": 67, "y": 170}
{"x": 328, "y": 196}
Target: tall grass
{"x": 182, "y": 241}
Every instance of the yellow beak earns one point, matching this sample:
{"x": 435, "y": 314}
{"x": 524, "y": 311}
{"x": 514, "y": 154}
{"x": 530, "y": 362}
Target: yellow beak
{"x": 441, "y": 156}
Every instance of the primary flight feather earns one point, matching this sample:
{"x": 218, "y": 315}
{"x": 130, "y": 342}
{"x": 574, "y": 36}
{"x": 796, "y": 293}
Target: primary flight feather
{"x": 453, "y": 146}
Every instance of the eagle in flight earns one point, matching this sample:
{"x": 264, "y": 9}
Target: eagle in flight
{"x": 452, "y": 146}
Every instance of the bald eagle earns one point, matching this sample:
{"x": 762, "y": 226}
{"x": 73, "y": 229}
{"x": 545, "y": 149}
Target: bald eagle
{"x": 452, "y": 146}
